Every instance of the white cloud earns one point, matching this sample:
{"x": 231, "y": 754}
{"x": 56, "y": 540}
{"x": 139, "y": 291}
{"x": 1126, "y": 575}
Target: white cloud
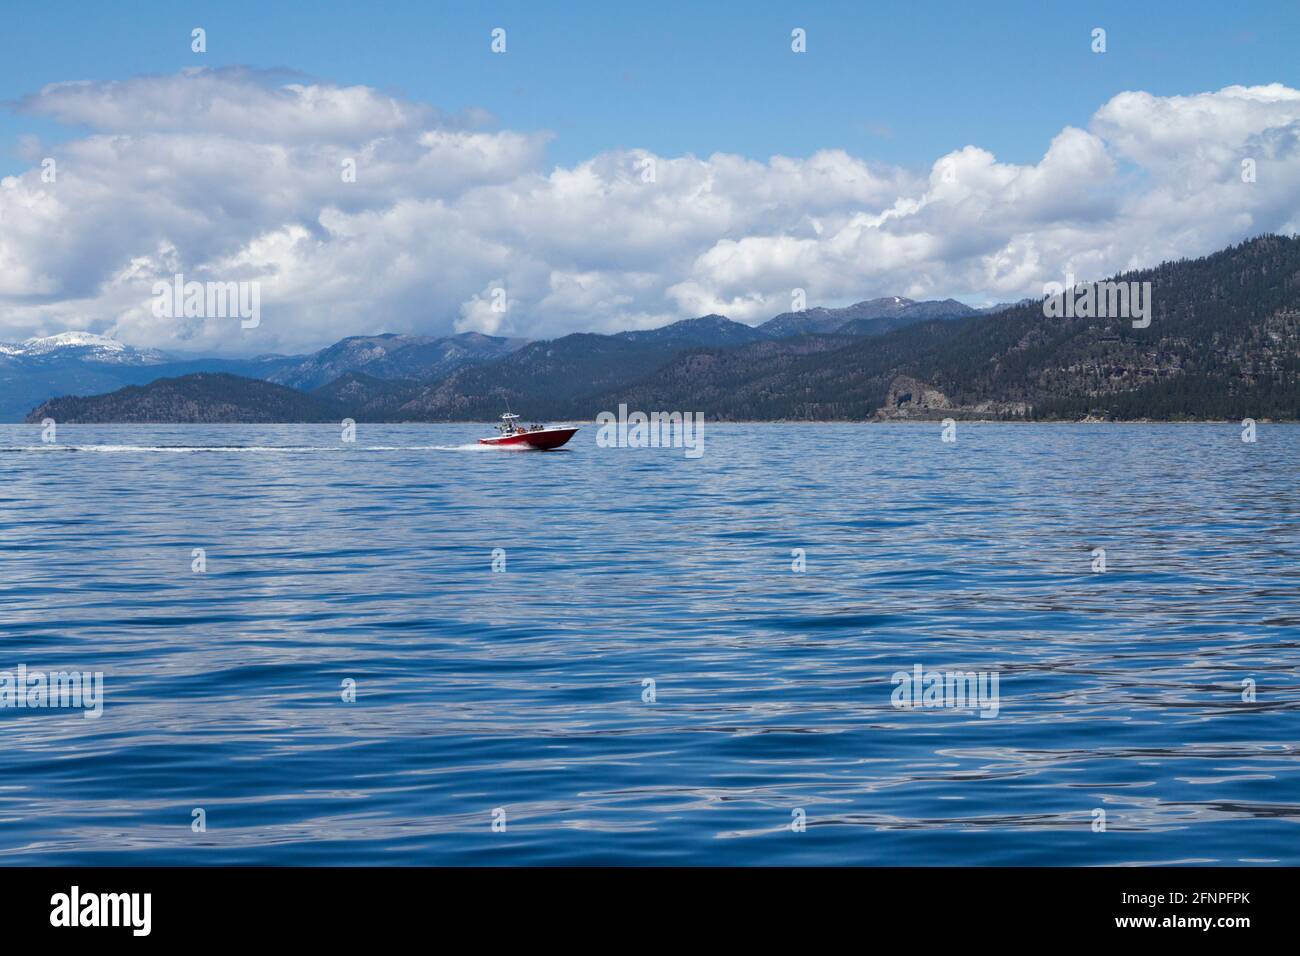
{"x": 236, "y": 102}
{"x": 237, "y": 175}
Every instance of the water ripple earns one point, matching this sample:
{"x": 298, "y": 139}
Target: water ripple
{"x": 1162, "y": 691}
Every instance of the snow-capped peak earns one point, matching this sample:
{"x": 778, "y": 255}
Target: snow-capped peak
{"x": 80, "y": 347}
{"x": 73, "y": 340}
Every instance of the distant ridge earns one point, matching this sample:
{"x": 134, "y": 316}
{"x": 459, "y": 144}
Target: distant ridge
{"x": 709, "y": 329}
{"x": 872, "y": 317}
{"x": 82, "y": 363}
{"x": 87, "y": 363}
{"x": 1223, "y": 343}
{"x": 392, "y": 356}
{"x": 201, "y": 398}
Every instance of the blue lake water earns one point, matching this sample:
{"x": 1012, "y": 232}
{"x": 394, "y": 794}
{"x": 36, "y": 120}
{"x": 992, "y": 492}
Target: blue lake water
{"x": 522, "y": 690}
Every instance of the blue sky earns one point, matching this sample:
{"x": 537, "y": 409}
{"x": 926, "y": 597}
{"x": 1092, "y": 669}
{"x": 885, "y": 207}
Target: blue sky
{"x": 930, "y": 150}
{"x": 897, "y": 82}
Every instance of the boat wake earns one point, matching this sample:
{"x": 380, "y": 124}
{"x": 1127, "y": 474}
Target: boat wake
{"x": 185, "y": 449}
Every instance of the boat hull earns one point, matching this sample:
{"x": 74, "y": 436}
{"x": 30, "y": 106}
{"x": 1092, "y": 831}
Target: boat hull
{"x": 543, "y": 439}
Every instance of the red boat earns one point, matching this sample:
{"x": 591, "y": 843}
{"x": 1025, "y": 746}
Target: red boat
{"x": 514, "y": 435}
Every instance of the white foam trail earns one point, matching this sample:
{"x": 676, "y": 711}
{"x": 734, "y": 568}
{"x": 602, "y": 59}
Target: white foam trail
{"x": 182, "y": 449}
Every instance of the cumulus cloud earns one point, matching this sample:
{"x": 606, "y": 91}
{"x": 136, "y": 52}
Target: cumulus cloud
{"x": 237, "y": 102}
{"x": 450, "y": 224}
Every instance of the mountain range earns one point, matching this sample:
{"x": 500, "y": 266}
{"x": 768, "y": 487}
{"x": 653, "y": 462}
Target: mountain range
{"x": 82, "y": 363}
{"x": 1223, "y": 342}
{"x": 871, "y": 317}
